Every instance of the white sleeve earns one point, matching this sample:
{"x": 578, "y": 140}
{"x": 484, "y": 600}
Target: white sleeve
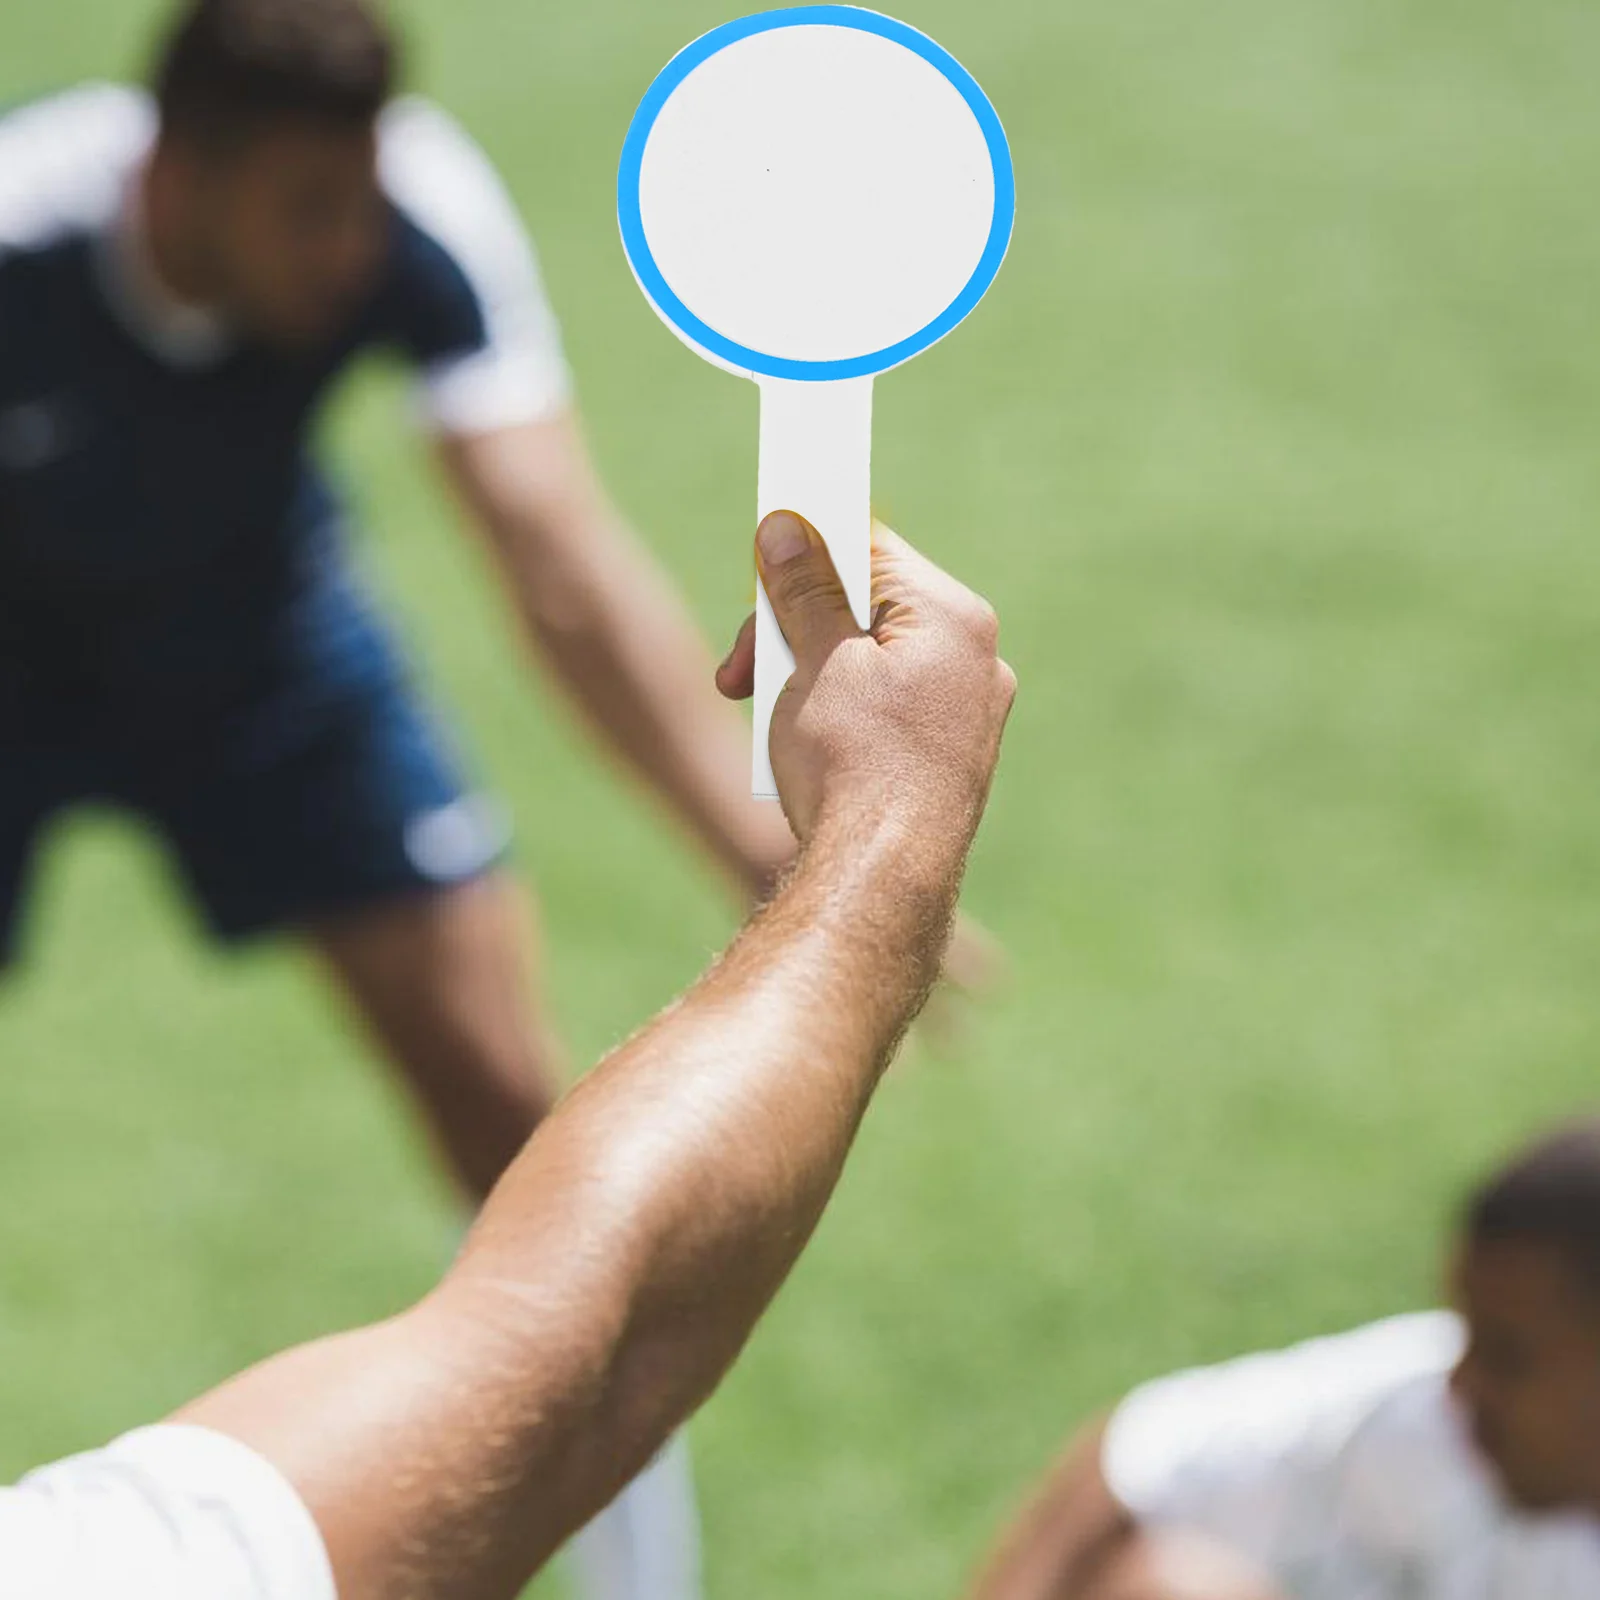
{"x": 1249, "y": 1451}
{"x": 440, "y": 178}
{"x": 172, "y": 1512}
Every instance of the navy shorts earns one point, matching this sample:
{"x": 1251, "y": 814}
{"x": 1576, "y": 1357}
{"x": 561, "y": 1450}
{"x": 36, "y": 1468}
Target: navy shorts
{"x": 290, "y": 810}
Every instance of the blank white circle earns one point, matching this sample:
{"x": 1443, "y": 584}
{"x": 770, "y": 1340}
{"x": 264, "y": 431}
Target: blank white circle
{"x": 816, "y": 192}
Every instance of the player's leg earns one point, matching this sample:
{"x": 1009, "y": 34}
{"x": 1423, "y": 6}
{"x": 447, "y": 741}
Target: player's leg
{"x": 349, "y": 824}
{"x": 446, "y": 983}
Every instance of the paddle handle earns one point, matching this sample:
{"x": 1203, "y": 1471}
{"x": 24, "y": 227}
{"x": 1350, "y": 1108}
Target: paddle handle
{"x": 816, "y": 458}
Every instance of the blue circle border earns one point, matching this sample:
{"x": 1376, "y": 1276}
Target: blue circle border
{"x": 690, "y": 326}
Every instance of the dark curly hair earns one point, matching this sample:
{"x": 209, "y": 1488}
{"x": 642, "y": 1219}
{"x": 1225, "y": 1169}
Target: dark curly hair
{"x": 229, "y": 66}
{"x": 1549, "y": 1194}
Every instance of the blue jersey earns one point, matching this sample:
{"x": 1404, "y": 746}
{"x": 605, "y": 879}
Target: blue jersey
{"x": 168, "y": 544}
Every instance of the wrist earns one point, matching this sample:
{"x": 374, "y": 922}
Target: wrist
{"x": 896, "y": 868}
{"x": 860, "y": 923}
{"x": 921, "y": 839}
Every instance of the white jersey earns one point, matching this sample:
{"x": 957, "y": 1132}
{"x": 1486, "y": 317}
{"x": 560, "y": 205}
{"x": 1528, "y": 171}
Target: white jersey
{"x": 165, "y": 1513}
{"x": 1342, "y": 1466}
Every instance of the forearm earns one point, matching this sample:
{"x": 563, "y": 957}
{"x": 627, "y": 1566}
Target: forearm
{"x": 695, "y": 1161}
{"x": 637, "y": 668}
{"x": 601, "y": 612}
{"x": 621, "y": 1263}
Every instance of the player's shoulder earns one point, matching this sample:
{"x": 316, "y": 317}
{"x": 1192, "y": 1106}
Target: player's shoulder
{"x": 1316, "y": 1392}
{"x": 463, "y": 239}
{"x": 1393, "y": 1349}
{"x": 430, "y": 166}
{"x": 1272, "y": 1421}
{"x": 1336, "y": 1380}
{"x": 1372, "y": 1356}
{"x": 63, "y": 158}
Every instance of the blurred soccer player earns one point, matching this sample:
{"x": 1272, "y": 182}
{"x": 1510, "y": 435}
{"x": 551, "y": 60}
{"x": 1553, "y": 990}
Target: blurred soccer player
{"x": 1436, "y": 1456}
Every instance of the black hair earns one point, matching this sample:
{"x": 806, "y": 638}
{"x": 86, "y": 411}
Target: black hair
{"x": 1550, "y": 1194}
{"x": 228, "y": 67}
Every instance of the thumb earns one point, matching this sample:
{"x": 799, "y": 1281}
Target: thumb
{"x": 807, "y": 597}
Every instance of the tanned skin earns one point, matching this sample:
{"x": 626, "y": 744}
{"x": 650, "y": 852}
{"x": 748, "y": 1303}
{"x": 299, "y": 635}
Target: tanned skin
{"x": 620, "y": 1265}
{"x": 1075, "y": 1541}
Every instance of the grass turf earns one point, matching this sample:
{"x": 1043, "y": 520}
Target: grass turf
{"x": 1274, "y": 446}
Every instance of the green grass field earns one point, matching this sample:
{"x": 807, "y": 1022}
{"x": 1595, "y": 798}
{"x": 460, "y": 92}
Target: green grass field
{"x": 1275, "y": 446}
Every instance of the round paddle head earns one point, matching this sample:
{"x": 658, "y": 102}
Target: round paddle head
{"x": 814, "y": 193}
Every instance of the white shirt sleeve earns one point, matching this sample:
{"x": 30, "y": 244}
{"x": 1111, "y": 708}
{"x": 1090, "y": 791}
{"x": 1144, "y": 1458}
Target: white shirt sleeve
{"x": 172, "y": 1512}
{"x": 434, "y": 171}
{"x": 1249, "y": 1451}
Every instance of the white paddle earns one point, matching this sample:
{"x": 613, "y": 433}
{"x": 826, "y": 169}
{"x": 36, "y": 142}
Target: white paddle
{"x": 809, "y": 197}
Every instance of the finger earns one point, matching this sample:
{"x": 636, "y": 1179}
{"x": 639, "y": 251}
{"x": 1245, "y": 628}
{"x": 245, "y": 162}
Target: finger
{"x": 807, "y": 597}
{"x": 907, "y": 588}
{"x": 736, "y": 676}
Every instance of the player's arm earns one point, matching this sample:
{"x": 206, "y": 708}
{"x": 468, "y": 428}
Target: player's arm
{"x": 621, "y": 1263}
{"x": 605, "y": 617}
{"x": 1068, "y": 1541}
{"x": 1075, "y": 1540}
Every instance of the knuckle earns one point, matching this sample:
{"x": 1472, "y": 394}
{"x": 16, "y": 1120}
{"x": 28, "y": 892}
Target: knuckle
{"x": 982, "y": 623}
